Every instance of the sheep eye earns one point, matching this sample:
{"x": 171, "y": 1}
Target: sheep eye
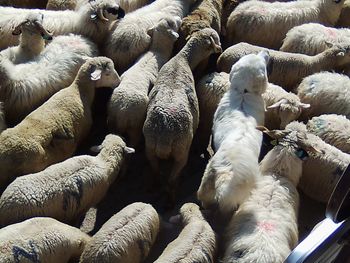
{"x": 302, "y": 154}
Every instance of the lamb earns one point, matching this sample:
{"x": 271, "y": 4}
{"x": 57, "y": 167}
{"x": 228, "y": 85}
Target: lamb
{"x": 344, "y": 20}
{"x": 326, "y": 92}
{"x": 65, "y": 190}
{"x": 313, "y": 38}
{"x": 130, "y": 39}
{"x": 32, "y": 40}
{"x": 92, "y": 20}
{"x": 196, "y": 242}
{"x": 231, "y": 173}
{"x": 252, "y": 20}
{"x": 126, "y": 237}
{"x": 321, "y": 171}
{"x": 51, "y": 133}
{"x": 128, "y": 104}
{"x": 41, "y": 239}
{"x": 333, "y": 129}
{"x": 264, "y": 228}
{"x": 173, "y": 114}
{"x": 288, "y": 69}
{"x": 25, "y": 86}
{"x": 205, "y": 14}
{"x": 3, "y": 124}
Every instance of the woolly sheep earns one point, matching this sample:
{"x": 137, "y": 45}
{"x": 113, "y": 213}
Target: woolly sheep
{"x": 204, "y": 14}
{"x": 92, "y": 20}
{"x": 24, "y": 87}
{"x": 52, "y": 132}
{"x": 32, "y": 40}
{"x": 173, "y": 114}
{"x": 313, "y": 38}
{"x": 41, "y": 239}
{"x": 127, "y": 5}
{"x": 326, "y": 92}
{"x": 130, "y": 39}
{"x": 65, "y": 190}
{"x": 230, "y": 174}
{"x": 344, "y": 19}
{"x": 288, "y": 69}
{"x": 24, "y": 3}
{"x": 264, "y": 228}
{"x": 126, "y": 237}
{"x": 3, "y": 124}
{"x": 128, "y": 104}
{"x": 321, "y": 171}
{"x": 252, "y": 20}
{"x": 333, "y": 129}
{"x": 195, "y": 243}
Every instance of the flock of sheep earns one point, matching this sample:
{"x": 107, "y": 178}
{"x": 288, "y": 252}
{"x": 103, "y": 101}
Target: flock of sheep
{"x": 189, "y": 77}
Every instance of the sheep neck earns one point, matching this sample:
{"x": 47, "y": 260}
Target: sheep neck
{"x": 193, "y": 53}
{"x": 280, "y": 162}
{"x": 324, "y": 61}
{"x": 162, "y": 46}
{"x": 113, "y": 157}
{"x": 31, "y": 45}
{"x": 86, "y": 88}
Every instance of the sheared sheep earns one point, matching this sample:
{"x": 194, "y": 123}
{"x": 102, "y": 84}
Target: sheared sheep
{"x": 32, "y": 40}
{"x": 93, "y": 20}
{"x": 321, "y": 171}
{"x": 333, "y": 129}
{"x": 288, "y": 69}
{"x": 41, "y": 239}
{"x": 173, "y": 114}
{"x": 252, "y": 20}
{"x": 51, "y": 133}
{"x": 313, "y": 38}
{"x": 231, "y": 173}
{"x": 264, "y": 228}
{"x": 130, "y": 39}
{"x": 196, "y": 242}
{"x": 326, "y": 92}
{"x": 128, "y": 105}
{"x": 126, "y": 237}
{"x": 25, "y": 86}
{"x": 65, "y": 190}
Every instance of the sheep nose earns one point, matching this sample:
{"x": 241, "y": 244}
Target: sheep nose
{"x": 121, "y": 13}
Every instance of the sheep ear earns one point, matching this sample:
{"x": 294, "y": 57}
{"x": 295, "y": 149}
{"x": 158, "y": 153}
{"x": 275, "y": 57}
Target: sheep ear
{"x": 174, "y": 33}
{"x": 129, "y": 150}
{"x": 277, "y": 104}
{"x": 17, "y": 31}
{"x": 329, "y": 44}
{"x": 266, "y": 55}
{"x": 304, "y": 105}
{"x": 150, "y": 31}
{"x": 96, "y": 148}
{"x": 217, "y": 48}
{"x": 96, "y": 74}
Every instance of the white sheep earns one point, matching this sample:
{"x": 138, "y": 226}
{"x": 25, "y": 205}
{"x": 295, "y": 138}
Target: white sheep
{"x": 321, "y": 171}
{"x": 326, "y": 92}
{"x": 231, "y": 173}
{"x": 173, "y": 114}
{"x": 264, "y": 228}
{"x": 333, "y": 129}
{"x": 313, "y": 38}
{"x": 51, "y": 133}
{"x": 65, "y": 190}
{"x": 126, "y": 237}
{"x": 288, "y": 69}
{"x": 195, "y": 243}
{"x": 128, "y": 104}
{"x": 3, "y": 124}
{"x": 93, "y": 20}
{"x": 252, "y": 20}
{"x": 130, "y": 39}
{"x": 41, "y": 239}
{"x": 32, "y": 40}
{"x": 25, "y": 86}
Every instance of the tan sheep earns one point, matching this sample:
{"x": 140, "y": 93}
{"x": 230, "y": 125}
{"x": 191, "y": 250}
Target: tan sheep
{"x": 65, "y": 190}
{"x": 128, "y": 105}
{"x": 52, "y": 132}
{"x": 43, "y": 240}
{"x": 288, "y": 69}
{"x": 126, "y": 237}
{"x": 173, "y": 114}
{"x": 196, "y": 242}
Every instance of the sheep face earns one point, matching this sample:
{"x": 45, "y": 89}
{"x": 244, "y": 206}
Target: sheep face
{"x": 106, "y": 10}
{"x": 101, "y": 70}
{"x": 113, "y": 142}
{"x": 249, "y": 74}
{"x": 33, "y": 25}
{"x": 166, "y": 27}
{"x": 288, "y": 110}
{"x": 208, "y": 39}
{"x": 342, "y": 54}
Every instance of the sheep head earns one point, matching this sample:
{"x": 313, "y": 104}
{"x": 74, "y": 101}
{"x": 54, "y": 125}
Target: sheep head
{"x": 167, "y": 26}
{"x": 106, "y": 10}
